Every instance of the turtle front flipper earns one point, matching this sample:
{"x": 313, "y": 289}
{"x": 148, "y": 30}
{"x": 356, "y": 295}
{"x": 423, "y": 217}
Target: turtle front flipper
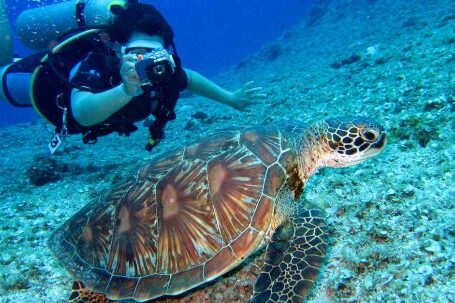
{"x": 294, "y": 257}
{"x": 81, "y": 294}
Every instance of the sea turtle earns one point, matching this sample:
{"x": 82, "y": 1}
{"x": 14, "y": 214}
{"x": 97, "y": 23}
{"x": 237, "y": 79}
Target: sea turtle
{"x": 195, "y": 214}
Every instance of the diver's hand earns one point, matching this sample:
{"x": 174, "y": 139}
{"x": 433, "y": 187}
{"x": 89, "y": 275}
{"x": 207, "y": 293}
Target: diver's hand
{"x": 246, "y": 96}
{"x": 130, "y": 78}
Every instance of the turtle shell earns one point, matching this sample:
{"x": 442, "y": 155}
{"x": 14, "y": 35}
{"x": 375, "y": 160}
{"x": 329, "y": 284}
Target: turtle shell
{"x": 183, "y": 220}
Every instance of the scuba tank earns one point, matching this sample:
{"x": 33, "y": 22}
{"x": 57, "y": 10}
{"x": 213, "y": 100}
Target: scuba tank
{"x": 6, "y": 47}
{"x": 38, "y": 27}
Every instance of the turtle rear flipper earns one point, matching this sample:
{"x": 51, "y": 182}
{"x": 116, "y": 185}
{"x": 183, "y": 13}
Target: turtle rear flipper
{"x": 294, "y": 257}
{"x": 81, "y": 294}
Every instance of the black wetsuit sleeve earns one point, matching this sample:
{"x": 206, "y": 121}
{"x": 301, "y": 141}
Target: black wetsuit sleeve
{"x": 181, "y": 80}
{"x": 93, "y": 73}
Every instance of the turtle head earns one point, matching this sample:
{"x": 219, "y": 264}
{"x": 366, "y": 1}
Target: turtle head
{"x": 351, "y": 140}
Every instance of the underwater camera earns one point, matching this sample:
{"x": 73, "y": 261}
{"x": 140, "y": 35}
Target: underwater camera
{"x": 154, "y": 68}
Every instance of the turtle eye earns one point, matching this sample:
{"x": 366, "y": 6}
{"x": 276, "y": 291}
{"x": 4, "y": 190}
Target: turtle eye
{"x": 369, "y": 134}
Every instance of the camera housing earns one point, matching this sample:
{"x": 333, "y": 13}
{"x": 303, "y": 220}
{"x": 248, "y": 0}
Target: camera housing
{"x": 154, "y": 68}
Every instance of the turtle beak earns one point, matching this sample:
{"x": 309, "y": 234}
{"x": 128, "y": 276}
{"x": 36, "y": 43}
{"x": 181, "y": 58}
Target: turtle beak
{"x": 382, "y": 141}
{"x": 375, "y": 148}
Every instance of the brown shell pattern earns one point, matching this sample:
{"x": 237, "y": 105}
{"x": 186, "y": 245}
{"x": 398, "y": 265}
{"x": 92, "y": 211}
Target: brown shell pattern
{"x": 183, "y": 220}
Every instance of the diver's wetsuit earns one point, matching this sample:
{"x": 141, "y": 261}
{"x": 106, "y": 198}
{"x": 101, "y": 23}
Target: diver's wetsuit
{"x": 99, "y": 72}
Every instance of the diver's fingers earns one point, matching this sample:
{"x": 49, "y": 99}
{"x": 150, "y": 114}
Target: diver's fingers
{"x": 129, "y": 75}
{"x": 248, "y": 84}
{"x": 129, "y": 58}
{"x": 257, "y": 96}
{"x": 128, "y": 69}
{"x": 127, "y": 66}
{"x": 252, "y": 90}
{"x": 134, "y": 76}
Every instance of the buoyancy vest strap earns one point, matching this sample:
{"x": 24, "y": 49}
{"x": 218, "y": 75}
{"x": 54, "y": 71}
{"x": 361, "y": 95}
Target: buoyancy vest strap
{"x": 80, "y": 16}
{"x": 5, "y": 89}
{"x": 91, "y": 136}
{"x": 52, "y": 60}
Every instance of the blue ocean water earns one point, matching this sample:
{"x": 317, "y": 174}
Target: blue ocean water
{"x": 210, "y": 35}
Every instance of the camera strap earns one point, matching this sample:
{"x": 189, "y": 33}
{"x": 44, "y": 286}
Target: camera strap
{"x": 80, "y": 15}
{"x": 167, "y": 100}
{"x": 167, "y": 95}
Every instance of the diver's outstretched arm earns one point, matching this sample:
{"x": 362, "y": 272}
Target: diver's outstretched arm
{"x": 239, "y": 99}
{"x": 6, "y": 43}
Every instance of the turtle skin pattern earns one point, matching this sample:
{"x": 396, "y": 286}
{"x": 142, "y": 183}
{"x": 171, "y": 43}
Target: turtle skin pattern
{"x": 293, "y": 259}
{"x": 181, "y": 221}
{"x": 79, "y": 294}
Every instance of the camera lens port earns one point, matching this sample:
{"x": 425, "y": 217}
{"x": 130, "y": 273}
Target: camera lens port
{"x": 159, "y": 69}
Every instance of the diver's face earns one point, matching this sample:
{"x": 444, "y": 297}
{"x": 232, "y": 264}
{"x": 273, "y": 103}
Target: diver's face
{"x": 140, "y": 43}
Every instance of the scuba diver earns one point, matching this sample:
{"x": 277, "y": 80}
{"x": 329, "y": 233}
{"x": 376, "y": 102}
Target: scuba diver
{"x": 118, "y": 65}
